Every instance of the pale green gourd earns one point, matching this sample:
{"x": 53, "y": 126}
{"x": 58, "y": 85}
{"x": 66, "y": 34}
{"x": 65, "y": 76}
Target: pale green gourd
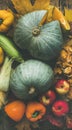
{"x": 43, "y": 42}
{"x": 31, "y": 79}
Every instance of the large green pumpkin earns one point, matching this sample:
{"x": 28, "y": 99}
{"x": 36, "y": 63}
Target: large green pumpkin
{"x": 31, "y": 79}
{"x": 43, "y": 42}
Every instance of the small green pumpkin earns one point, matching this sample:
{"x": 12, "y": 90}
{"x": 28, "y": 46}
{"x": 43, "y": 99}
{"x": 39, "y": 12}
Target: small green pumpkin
{"x": 43, "y": 42}
{"x": 31, "y": 79}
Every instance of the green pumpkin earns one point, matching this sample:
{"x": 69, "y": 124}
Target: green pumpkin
{"x": 43, "y": 42}
{"x": 31, "y": 79}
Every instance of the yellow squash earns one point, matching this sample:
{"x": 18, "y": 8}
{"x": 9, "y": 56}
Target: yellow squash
{"x": 6, "y": 20}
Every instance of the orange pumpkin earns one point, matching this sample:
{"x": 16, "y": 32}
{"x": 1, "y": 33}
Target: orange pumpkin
{"x": 15, "y": 110}
{"x": 35, "y": 111}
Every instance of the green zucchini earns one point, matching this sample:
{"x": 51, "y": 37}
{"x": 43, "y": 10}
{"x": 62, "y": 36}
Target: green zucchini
{"x": 9, "y": 47}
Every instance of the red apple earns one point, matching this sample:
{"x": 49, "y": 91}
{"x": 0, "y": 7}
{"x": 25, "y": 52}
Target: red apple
{"x": 48, "y": 97}
{"x": 60, "y": 108}
{"x": 69, "y": 122}
{"x": 62, "y": 86}
{"x": 55, "y": 120}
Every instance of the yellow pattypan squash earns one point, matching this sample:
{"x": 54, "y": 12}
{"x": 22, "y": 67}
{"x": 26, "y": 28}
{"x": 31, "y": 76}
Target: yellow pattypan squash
{"x": 6, "y": 20}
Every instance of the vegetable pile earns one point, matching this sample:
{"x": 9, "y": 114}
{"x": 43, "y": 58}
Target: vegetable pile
{"x": 32, "y": 89}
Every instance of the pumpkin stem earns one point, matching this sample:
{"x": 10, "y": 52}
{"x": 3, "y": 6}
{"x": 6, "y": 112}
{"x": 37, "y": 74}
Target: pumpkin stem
{"x": 32, "y": 90}
{"x": 35, "y": 114}
{"x": 36, "y": 31}
{"x": 1, "y": 20}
